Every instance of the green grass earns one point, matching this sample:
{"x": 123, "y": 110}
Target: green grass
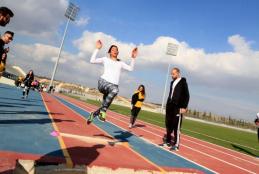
{"x": 238, "y": 140}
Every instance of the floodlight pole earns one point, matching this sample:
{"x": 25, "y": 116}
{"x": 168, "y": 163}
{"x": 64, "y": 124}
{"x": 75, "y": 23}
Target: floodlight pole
{"x": 74, "y": 8}
{"x": 172, "y": 49}
{"x": 166, "y": 80}
{"x": 59, "y": 53}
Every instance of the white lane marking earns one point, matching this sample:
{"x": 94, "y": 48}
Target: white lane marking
{"x": 161, "y": 137}
{"x": 225, "y": 153}
{"x": 196, "y": 150}
{"x": 148, "y": 141}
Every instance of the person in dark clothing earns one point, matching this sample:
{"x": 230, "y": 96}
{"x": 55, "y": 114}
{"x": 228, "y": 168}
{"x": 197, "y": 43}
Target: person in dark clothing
{"x": 5, "y": 39}
{"x": 5, "y": 15}
{"x": 3, "y": 63}
{"x": 257, "y": 125}
{"x": 137, "y": 100}
{"x": 176, "y": 106}
{"x": 27, "y": 84}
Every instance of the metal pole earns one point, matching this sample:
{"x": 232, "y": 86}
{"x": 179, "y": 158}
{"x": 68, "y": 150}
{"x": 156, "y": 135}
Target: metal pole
{"x": 59, "y": 53}
{"x": 166, "y": 80}
{"x": 61, "y": 46}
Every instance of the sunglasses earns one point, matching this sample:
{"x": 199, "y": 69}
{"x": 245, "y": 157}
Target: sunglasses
{"x": 10, "y": 38}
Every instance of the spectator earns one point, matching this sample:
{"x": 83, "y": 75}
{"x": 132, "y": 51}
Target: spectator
{"x": 5, "y": 39}
{"x": 2, "y": 63}
{"x": 5, "y": 15}
{"x": 257, "y": 125}
{"x": 176, "y": 106}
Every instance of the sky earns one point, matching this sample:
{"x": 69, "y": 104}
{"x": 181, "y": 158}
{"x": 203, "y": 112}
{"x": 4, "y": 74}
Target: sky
{"x": 218, "y": 46}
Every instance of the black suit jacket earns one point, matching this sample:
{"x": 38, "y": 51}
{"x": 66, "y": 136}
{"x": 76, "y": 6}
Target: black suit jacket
{"x": 181, "y": 96}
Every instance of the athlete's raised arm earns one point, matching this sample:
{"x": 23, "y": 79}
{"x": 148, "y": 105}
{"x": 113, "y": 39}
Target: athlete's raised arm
{"x": 93, "y": 59}
{"x": 130, "y": 67}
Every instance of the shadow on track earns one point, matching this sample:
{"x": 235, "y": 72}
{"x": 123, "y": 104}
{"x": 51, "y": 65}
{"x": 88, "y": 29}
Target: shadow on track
{"x": 11, "y": 106}
{"x": 33, "y": 121}
{"x": 22, "y": 104}
{"x": 123, "y": 136}
{"x": 28, "y": 112}
{"x": 79, "y": 156}
{"x": 243, "y": 150}
{"x": 139, "y": 125}
{"x": 25, "y": 100}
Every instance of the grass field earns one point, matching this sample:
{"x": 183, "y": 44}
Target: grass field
{"x": 238, "y": 140}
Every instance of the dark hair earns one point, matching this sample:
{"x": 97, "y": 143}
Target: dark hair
{"x": 5, "y": 11}
{"x": 177, "y": 69}
{"x": 32, "y": 74}
{"x": 143, "y": 91}
{"x": 110, "y": 49}
{"x": 9, "y": 32}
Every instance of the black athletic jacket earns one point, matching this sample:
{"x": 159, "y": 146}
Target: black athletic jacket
{"x": 135, "y": 98}
{"x": 181, "y": 96}
{"x": 28, "y": 80}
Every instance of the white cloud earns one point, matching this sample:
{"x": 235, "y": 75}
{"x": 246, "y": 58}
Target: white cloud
{"x": 234, "y": 72}
{"x": 241, "y": 62}
{"x": 82, "y": 21}
{"x": 38, "y": 20}
{"x": 86, "y": 44}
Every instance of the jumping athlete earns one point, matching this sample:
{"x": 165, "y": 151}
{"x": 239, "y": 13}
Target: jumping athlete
{"x": 27, "y": 84}
{"x": 109, "y": 81}
{"x": 136, "y": 101}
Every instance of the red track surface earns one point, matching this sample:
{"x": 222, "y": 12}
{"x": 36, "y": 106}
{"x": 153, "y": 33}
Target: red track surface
{"x": 214, "y": 157}
{"x": 83, "y": 153}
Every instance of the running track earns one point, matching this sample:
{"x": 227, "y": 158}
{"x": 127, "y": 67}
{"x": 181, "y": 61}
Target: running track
{"x": 216, "y": 158}
{"x": 25, "y": 127}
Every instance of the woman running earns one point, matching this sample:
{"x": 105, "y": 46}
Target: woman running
{"x": 109, "y": 81}
{"x": 27, "y": 84}
{"x": 137, "y": 100}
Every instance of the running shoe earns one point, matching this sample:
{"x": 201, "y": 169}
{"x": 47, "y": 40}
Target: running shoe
{"x": 175, "y": 148}
{"x": 166, "y": 145}
{"x": 131, "y": 126}
{"x": 90, "y": 118}
{"x": 102, "y": 116}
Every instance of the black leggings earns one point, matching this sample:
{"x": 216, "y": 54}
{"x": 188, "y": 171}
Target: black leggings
{"x": 109, "y": 92}
{"x": 134, "y": 114}
{"x": 26, "y": 91}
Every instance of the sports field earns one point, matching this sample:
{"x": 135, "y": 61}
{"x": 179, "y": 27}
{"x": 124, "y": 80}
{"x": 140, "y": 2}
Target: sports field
{"x": 27, "y": 126}
{"x": 240, "y": 141}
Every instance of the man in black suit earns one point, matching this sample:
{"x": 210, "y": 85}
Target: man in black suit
{"x": 177, "y": 104}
